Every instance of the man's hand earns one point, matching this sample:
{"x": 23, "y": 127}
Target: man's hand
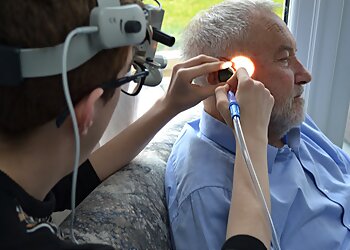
{"x": 182, "y": 93}
{"x": 255, "y": 101}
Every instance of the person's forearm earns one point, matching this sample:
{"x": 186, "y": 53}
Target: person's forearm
{"x": 247, "y": 215}
{"x": 181, "y": 95}
{"x": 129, "y": 143}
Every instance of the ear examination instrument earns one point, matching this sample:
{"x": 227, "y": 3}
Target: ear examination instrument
{"x": 224, "y": 75}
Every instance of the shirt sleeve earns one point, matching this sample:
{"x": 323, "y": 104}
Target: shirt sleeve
{"x": 201, "y": 220}
{"x": 87, "y": 181}
{"x": 243, "y": 242}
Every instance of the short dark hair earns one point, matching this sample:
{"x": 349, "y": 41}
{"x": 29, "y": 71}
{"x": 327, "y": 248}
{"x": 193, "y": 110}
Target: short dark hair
{"x": 43, "y": 23}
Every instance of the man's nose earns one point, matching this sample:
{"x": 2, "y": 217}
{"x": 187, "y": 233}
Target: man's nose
{"x": 302, "y": 75}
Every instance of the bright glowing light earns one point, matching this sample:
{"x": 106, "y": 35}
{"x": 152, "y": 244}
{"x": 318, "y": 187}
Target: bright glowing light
{"x": 243, "y": 62}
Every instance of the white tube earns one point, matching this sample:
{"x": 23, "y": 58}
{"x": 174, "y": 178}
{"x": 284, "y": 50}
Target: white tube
{"x": 248, "y": 161}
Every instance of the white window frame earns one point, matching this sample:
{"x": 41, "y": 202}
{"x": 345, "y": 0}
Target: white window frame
{"x": 322, "y": 32}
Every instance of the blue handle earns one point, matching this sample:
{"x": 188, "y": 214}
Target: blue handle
{"x": 233, "y": 105}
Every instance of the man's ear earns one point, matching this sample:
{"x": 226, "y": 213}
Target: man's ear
{"x": 85, "y": 110}
{"x": 213, "y": 78}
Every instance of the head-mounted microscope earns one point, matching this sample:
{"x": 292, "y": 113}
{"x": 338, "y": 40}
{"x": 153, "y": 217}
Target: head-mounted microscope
{"x": 116, "y": 26}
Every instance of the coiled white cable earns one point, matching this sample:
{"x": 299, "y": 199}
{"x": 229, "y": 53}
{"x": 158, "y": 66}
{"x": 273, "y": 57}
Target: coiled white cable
{"x": 80, "y": 30}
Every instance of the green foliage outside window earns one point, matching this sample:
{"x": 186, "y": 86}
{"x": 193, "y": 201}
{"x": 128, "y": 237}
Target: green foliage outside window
{"x": 179, "y": 12}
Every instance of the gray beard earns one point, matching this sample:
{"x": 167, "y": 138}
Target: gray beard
{"x": 285, "y": 117}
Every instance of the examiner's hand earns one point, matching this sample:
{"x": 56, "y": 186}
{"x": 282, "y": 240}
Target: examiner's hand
{"x": 182, "y": 93}
{"x": 255, "y": 101}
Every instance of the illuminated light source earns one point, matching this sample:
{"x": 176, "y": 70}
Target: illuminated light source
{"x": 237, "y": 62}
{"x": 243, "y": 62}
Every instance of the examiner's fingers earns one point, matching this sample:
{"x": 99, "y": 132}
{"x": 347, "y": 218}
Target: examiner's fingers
{"x": 205, "y": 91}
{"x": 222, "y": 103}
{"x": 241, "y": 75}
{"x": 233, "y": 83}
{"x": 189, "y": 74}
{"x": 193, "y": 62}
{"x": 198, "y": 60}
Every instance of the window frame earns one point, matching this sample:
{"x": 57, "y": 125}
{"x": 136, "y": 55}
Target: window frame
{"x": 323, "y": 52}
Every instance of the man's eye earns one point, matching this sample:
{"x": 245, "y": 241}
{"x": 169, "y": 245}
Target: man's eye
{"x": 284, "y": 61}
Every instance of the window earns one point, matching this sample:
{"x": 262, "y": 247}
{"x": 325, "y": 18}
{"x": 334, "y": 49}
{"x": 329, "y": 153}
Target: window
{"x": 346, "y": 144}
{"x": 178, "y": 13}
{"x": 324, "y": 51}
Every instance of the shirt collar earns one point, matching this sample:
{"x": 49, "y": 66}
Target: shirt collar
{"x": 217, "y": 131}
{"x": 222, "y": 134}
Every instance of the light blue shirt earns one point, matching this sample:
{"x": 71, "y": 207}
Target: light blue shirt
{"x": 309, "y": 182}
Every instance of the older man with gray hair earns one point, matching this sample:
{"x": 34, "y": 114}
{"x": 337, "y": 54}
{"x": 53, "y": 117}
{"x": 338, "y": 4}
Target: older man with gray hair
{"x": 308, "y": 175}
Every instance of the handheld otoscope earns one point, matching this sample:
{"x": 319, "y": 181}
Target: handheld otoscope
{"x": 224, "y": 75}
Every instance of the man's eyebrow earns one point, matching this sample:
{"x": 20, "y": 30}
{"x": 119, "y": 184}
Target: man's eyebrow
{"x": 286, "y": 47}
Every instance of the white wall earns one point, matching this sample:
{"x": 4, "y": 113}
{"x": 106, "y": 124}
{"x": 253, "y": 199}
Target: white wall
{"x": 124, "y": 114}
{"x": 322, "y": 31}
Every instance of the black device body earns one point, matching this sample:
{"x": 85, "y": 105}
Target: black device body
{"x": 225, "y": 74}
